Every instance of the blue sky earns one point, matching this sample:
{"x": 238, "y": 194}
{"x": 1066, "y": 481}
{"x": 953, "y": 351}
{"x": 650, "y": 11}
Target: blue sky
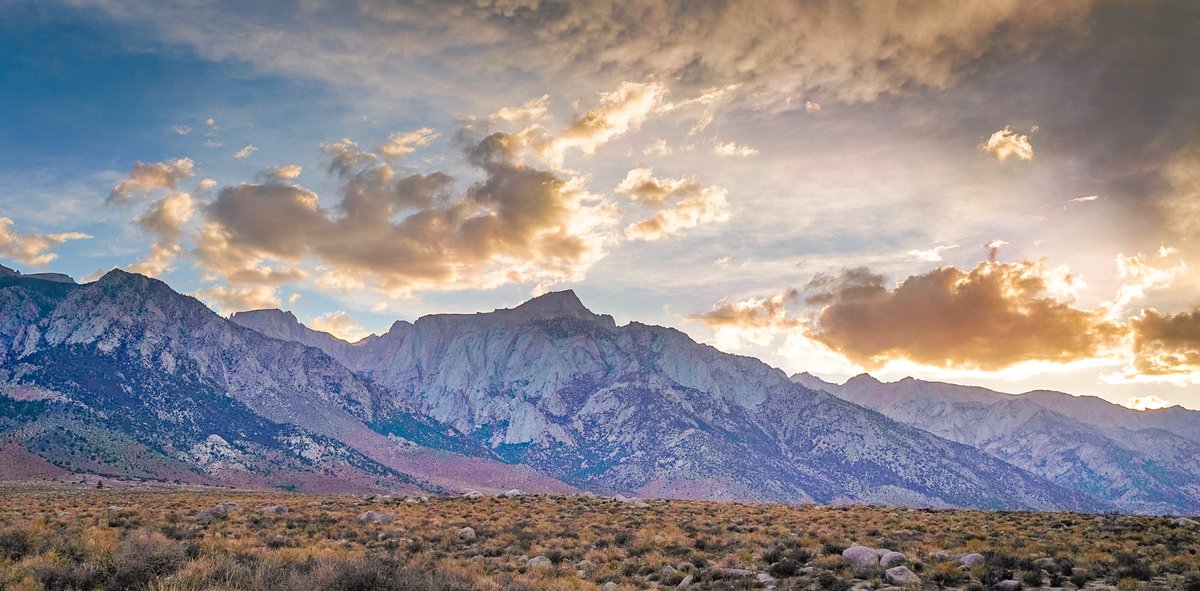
{"x": 813, "y": 184}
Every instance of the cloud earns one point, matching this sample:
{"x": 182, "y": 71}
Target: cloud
{"x": 1087, "y": 199}
{"x": 1181, "y": 203}
{"x": 164, "y": 219}
{"x": 658, "y": 147}
{"x": 181, "y": 129}
{"x": 530, "y": 112}
{"x": 341, "y": 325}
{"x": 991, "y": 317}
{"x": 32, "y": 249}
{"x": 755, "y": 320}
{"x": 762, "y": 312}
{"x": 619, "y": 112}
{"x": 845, "y": 52}
{"x": 732, "y": 149}
{"x": 694, "y": 205}
{"x": 812, "y": 106}
{"x": 708, "y": 101}
{"x": 227, "y": 300}
{"x": 245, "y": 152}
{"x": 1166, "y": 348}
{"x": 281, "y": 174}
{"x": 1005, "y": 143}
{"x": 1138, "y": 276}
{"x": 931, "y": 255}
{"x": 405, "y": 143}
{"x": 403, "y": 233}
{"x": 146, "y": 177}
{"x": 1148, "y": 403}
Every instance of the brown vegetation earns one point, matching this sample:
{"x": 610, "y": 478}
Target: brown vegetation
{"x": 165, "y": 540}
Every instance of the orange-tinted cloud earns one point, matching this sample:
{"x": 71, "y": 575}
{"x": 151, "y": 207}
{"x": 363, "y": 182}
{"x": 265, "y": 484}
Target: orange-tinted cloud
{"x": 682, "y": 203}
{"x": 408, "y": 232}
{"x": 31, "y": 249}
{"x": 1006, "y": 143}
{"x": 1166, "y": 346}
{"x": 991, "y": 317}
{"x": 146, "y": 177}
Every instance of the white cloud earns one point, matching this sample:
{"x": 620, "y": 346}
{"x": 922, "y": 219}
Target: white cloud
{"x": 405, "y": 143}
{"x": 658, "y": 147}
{"x": 732, "y": 149}
{"x": 1006, "y": 142}
{"x": 181, "y": 129}
{"x": 931, "y": 255}
{"x": 245, "y": 152}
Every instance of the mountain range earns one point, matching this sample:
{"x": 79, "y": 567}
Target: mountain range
{"x": 124, "y": 377}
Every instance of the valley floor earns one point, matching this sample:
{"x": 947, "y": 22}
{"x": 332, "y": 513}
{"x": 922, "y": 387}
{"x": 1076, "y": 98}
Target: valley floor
{"x": 64, "y": 537}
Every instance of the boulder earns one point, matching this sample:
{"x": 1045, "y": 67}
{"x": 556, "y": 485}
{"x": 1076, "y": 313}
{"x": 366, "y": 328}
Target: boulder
{"x": 686, "y": 582}
{"x": 375, "y": 517}
{"x": 218, "y": 511}
{"x": 889, "y": 559}
{"x": 1007, "y": 585}
{"x": 970, "y": 559}
{"x": 666, "y": 570}
{"x": 900, "y": 575}
{"x": 1185, "y": 522}
{"x": 610, "y": 586}
{"x": 767, "y": 580}
{"x": 539, "y": 562}
{"x": 513, "y": 492}
{"x": 467, "y": 534}
{"x": 861, "y": 557}
{"x": 273, "y": 509}
{"x": 471, "y": 494}
{"x": 585, "y": 565}
{"x": 420, "y": 499}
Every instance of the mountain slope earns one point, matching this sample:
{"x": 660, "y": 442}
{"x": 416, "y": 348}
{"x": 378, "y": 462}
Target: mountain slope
{"x": 645, "y": 409}
{"x": 1137, "y": 469}
{"x": 139, "y": 362}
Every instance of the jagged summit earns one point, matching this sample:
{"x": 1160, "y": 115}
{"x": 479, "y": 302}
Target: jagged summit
{"x": 555, "y": 304}
{"x": 265, "y": 314}
{"x": 863, "y": 378}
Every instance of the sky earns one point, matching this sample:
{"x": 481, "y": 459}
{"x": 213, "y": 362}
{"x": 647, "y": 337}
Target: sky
{"x": 1001, "y": 193}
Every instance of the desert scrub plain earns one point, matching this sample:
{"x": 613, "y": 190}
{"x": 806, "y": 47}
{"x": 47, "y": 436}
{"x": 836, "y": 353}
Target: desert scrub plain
{"x": 58, "y": 537}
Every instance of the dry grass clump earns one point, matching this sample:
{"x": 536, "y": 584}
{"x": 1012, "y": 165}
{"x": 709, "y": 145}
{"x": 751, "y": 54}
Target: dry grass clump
{"x": 211, "y": 540}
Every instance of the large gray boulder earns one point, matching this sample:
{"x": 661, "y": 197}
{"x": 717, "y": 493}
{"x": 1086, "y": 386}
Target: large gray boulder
{"x": 861, "y": 557}
{"x": 889, "y": 559}
{"x": 900, "y": 575}
{"x": 539, "y": 562}
{"x": 970, "y": 559}
{"x": 375, "y": 517}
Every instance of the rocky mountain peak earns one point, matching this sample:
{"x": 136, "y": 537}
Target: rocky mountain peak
{"x": 863, "y": 379}
{"x": 266, "y": 315}
{"x": 554, "y": 304}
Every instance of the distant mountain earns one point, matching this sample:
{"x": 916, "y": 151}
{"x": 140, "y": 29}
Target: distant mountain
{"x": 1141, "y": 461}
{"x": 125, "y": 377}
{"x": 645, "y": 410}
